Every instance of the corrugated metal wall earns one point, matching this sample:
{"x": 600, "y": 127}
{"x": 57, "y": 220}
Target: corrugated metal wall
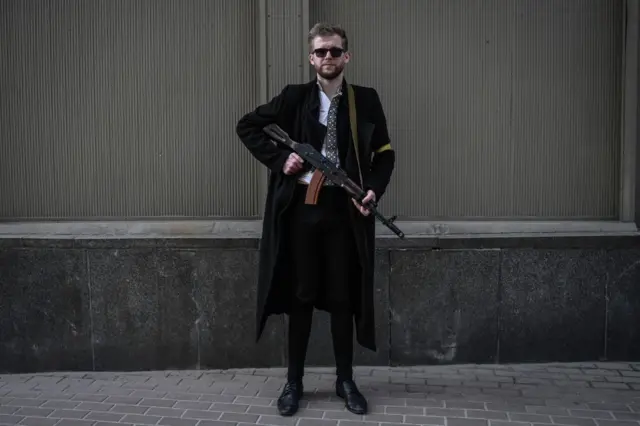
{"x": 127, "y": 108}
{"x": 285, "y": 44}
{"x": 497, "y": 108}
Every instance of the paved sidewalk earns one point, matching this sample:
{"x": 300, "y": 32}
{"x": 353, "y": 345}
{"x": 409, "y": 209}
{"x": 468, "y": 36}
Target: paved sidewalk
{"x": 598, "y": 394}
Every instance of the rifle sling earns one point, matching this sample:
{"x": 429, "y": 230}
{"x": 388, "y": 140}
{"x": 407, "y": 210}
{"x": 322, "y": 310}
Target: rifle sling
{"x": 354, "y": 126}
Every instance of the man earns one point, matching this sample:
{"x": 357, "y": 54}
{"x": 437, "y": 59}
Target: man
{"x": 317, "y": 248}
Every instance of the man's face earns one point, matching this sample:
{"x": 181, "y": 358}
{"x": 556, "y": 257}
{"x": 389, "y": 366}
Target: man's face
{"x": 328, "y": 57}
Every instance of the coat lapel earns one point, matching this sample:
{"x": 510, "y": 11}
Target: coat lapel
{"x": 314, "y": 130}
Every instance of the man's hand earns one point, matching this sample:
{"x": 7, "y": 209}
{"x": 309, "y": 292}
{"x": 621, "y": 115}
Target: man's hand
{"x": 293, "y": 164}
{"x": 370, "y": 196}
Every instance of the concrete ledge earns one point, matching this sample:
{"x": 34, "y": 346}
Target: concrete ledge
{"x": 252, "y": 229}
{"x": 246, "y": 234}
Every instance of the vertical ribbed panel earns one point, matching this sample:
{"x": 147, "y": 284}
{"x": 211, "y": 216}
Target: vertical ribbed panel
{"x": 284, "y": 38}
{"x": 25, "y": 107}
{"x": 497, "y": 108}
{"x": 127, "y": 108}
{"x": 566, "y": 107}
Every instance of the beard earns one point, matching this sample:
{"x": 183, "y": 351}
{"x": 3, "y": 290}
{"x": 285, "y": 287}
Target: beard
{"x": 329, "y": 72}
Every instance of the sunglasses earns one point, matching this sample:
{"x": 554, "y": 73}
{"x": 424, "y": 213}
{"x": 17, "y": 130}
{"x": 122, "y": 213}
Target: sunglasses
{"x": 336, "y": 52}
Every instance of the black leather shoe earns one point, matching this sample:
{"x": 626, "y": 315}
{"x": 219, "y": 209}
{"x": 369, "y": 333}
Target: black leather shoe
{"x": 354, "y": 401}
{"x": 289, "y": 400}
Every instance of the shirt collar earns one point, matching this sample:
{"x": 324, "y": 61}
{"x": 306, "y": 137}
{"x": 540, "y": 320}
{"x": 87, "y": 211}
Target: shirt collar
{"x": 338, "y": 92}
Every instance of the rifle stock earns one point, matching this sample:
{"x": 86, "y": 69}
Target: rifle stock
{"x": 332, "y": 172}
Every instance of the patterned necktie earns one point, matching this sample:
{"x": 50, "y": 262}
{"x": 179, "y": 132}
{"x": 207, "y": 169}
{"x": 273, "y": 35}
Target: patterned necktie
{"x": 331, "y": 139}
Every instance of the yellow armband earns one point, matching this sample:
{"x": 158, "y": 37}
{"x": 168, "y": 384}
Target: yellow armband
{"x": 386, "y": 147}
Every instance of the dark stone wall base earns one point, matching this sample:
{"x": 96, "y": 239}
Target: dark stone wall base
{"x": 156, "y": 304}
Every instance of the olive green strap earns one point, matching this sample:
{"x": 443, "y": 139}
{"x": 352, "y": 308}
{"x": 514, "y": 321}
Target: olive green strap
{"x": 354, "y": 126}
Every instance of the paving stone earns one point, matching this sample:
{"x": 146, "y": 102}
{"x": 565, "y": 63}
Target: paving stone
{"x": 94, "y": 406}
{"x": 259, "y": 409}
{"x": 465, "y": 404}
{"x": 129, "y": 400}
{"x": 356, "y": 423}
{"x": 183, "y": 396}
{"x": 24, "y": 402}
{"x": 405, "y": 410}
{"x": 157, "y": 402}
{"x": 424, "y": 420}
{"x": 220, "y": 423}
{"x": 338, "y": 415}
{"x": 575, "y": 421}
{"x": 69, "y": 414}
{"x": 164, "y": 412}
{"x": 411, "y": 402}
{"x": 171, "y": 421}
{"x": 128, "y": 409}
{"x": 317, "y": 422}
{"x": 445, "y": 412}
{"x": 503, "y": 392}
{"x": 148, "y": 393}
{"x": 616, "y": 423}
{"x": 489, "y": 415}
{"x": 68, "y": 422}
{"x": 239, "y": 417}
{"x": 104, "y": 417}
{"x": 38, "y": 421}
{"x": 90, "y": 398}
{"x": 532, "y": 418}
{"x": 593, "y": 414}
{"x": 141, "y": 419}
{"x": 331, "y": 406}
{"x": 10, "y": 419}
{"x": 385, "y": 418}
{"x": 275, "y": 419}
{"x": 455, "y": 421}
{"x": 622, "y": 415}
{"x": 192, "y": 405}
{"x": 557, "y": 411}
{"x": 202, "y": 414}
{"x": 7, "y": 409}
{"x": 60, "y": 404}
{"x": 609, "y": 385}
{"x": 34, "y": 411}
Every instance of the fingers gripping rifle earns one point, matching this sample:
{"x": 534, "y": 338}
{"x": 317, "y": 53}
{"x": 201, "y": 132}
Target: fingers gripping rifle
{"x": 332, "y": 172}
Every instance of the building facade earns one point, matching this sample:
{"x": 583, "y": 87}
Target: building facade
{"x": 498, "y": 110}
{"x": 516, "y": 130}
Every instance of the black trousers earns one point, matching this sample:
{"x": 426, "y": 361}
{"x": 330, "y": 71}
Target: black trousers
{"x": 323, "y": 257}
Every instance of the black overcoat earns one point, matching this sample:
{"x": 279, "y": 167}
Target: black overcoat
{"x": 295, "y": 109}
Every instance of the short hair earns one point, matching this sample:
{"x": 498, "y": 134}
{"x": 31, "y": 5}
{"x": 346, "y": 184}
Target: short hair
{"x": 325, "y": 29}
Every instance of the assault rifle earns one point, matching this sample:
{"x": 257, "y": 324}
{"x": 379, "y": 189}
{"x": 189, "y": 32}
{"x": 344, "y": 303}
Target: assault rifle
{"x": 332, "y": 172}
